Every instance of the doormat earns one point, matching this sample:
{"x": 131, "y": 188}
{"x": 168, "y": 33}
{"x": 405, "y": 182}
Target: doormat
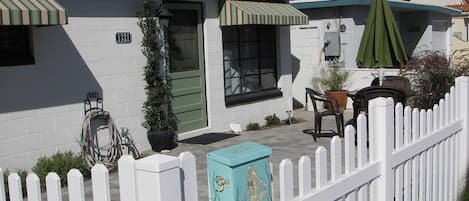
{"x": 208, "y": 138}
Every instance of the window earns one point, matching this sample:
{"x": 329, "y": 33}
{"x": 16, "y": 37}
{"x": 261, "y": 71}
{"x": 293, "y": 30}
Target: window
{"x": 15, "y": 46}
{"x": 183, "y": 41}
{"x": 250, "y": 63}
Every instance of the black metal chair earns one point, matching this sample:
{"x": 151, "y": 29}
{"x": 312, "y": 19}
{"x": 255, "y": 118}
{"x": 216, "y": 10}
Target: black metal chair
{"x": 421, "y": 100}
{"x": 396, "y": 82}
{"x": 332, "y": 110}
{"x": 363, "y": 96}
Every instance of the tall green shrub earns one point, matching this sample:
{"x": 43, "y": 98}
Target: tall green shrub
{"x": 156, "y": 89}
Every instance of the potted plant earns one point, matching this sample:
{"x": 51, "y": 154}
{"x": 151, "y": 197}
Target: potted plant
{"x": 155, "y": 108}
{"x": 432, "y": 74}
{"x": 333, "y": 81}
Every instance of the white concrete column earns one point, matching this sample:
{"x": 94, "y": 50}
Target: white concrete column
{"x": 381, "y": 118}
{"x": 158, "y": 178}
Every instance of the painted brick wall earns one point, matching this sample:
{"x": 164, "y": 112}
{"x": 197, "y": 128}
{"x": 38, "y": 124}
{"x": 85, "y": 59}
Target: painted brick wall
{"x": 42, "y": 110}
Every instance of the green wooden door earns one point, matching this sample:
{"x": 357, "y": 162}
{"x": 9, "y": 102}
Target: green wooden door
{"x": 186, "y": 72}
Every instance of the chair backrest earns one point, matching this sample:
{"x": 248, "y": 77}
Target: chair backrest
{"x": 315, "y": 96}
{"x": 368, "y": 93}
{"x": 396, "y": 82}
{"x": 318, "y": 96}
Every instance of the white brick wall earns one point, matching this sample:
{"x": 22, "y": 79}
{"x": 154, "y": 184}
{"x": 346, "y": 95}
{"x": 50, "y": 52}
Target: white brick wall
{"x": 114, "y": 69}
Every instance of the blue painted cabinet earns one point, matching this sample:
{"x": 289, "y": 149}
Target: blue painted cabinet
{"x": 240, "y": 173}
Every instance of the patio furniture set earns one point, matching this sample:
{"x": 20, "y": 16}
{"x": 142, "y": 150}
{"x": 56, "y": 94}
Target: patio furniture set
{"x": 392, "y": 86}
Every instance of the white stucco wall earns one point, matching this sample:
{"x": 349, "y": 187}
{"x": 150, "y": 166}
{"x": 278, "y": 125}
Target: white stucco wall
{"x": 307, "y": 42}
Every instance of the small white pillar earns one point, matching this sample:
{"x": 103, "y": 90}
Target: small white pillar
{"x": 158, "y": 178}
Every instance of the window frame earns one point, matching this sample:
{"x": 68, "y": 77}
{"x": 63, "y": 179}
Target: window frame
{"x": 27, "y": 56}
{"x": 262, "y": 93}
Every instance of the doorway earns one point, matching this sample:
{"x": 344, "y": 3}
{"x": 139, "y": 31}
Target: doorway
{"x": 187, "y": 70}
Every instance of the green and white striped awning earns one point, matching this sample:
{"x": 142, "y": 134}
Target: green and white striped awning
{"x": 31, "y": 12}
{"x": 250, "y": 12}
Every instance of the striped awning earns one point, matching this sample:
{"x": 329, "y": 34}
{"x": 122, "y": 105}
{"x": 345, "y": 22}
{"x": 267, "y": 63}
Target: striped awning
{"x": 32, "y": 12}
{"x": 250, "y": 12}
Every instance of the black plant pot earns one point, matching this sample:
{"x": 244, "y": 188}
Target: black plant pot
{"x": 162, "y": 140}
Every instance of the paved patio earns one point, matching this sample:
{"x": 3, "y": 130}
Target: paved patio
{"x": 286, "y": 142}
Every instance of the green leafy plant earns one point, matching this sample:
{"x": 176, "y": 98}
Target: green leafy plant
{"x": 253, "y": 126}
{"x": 272, "y": 120}
{"x": 157, "y": 89}
{"x": 432, "y": 72}
{"x": 22, "y": 173}
{"x": 60, "y": 163}
{"x": 332, "y": 78}
{"x": 292, "y": 120}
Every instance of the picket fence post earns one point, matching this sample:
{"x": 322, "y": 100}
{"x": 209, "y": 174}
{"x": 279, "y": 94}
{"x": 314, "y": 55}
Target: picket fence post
{"x": 127, "y": 178}
{"x": 383, "y": 131}
{"x": 286, "y": 180}
{"x": 53, "y": 187}
{"x": 2, "y": 187}
{"x": 462, "y": 88}
{"x": 14, "y": 187}
{"x": 33, "y": 187}
{"x": 189, "y": 176}
{"x": 76, "y": 190}
{"x": 100, "y": 183}
{"x": 304, "y": 172}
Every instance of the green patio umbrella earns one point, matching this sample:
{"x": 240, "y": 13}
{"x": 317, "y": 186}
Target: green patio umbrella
{"x": 381, "y": 44}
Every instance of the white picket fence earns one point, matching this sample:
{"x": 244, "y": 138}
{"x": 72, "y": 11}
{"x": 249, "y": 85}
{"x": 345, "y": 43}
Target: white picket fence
{"x": 128, "y": 185}
{"x": 413, "y": 155}
{"x": 418, "y": 155}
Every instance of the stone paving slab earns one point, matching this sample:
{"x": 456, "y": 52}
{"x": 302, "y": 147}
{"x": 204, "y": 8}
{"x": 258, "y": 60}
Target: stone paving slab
{"x": 286, "y": 142}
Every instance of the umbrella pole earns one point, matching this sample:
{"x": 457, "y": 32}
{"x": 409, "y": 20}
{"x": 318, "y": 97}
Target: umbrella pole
{"x": 381, "y": 76}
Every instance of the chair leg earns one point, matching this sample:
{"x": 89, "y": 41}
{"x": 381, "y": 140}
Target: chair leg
{"x": 320, "y": 125}
{"x": 343, "y": 124}
{"x": 337, "y": 121}
{"x": 316, "y": 125}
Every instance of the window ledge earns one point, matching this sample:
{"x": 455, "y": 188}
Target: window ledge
{"x": 252, "y": 97}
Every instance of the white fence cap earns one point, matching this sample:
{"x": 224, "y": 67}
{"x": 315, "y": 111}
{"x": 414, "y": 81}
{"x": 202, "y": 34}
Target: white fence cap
{"x": 157, "y": 163}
